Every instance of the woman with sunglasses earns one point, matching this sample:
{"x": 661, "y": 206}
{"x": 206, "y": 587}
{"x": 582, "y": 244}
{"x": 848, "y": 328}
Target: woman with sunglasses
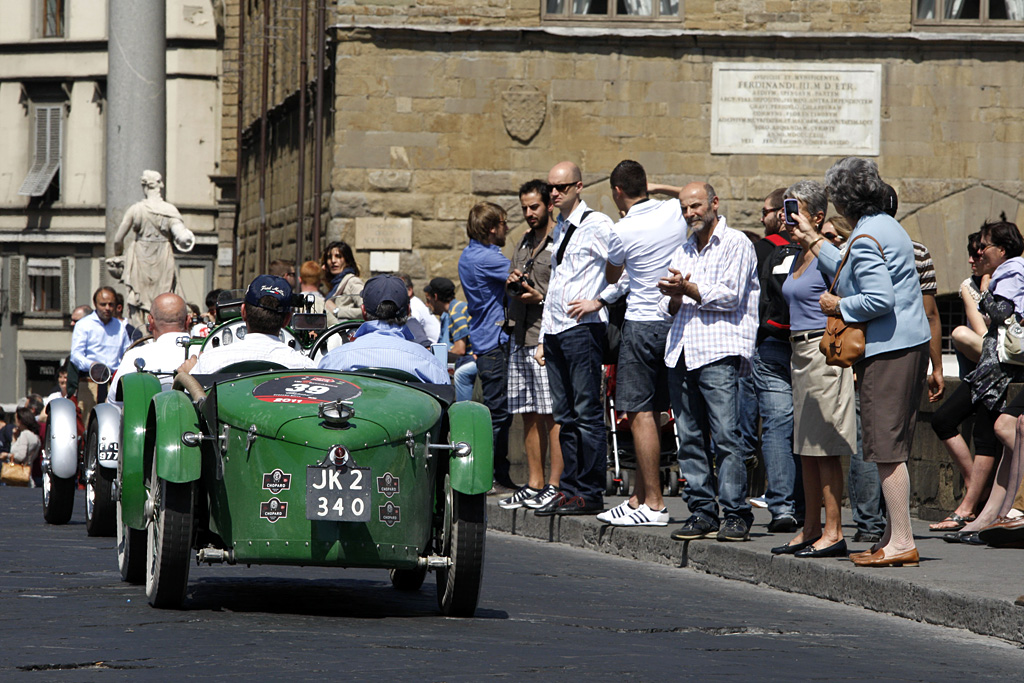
{"x": 960, "y": 405}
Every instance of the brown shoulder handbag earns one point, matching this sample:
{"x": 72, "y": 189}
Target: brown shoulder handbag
{"x": 843, "y": 342}
{"x": 15, "y": 474}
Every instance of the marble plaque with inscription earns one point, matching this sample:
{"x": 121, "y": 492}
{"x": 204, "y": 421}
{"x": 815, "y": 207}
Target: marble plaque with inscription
{"x": 796, "y": 108}
{"x": 382, "y": 234}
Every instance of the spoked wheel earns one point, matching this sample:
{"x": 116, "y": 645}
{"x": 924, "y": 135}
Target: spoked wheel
{"x": 58, "y": 498}
{"x": 408, "y": 579}
{"x": 99, "y": 501}
{"x": 131, "y": 551}
{"x": 169, "y": 542}
{"x": 462, "y": 540}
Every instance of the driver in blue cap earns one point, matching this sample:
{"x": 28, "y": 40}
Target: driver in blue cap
{"x": 384, "y": 341}
{"x": 267, "y": 308}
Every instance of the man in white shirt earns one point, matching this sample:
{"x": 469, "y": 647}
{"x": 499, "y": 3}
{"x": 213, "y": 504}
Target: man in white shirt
{"x": 572, "y": 346}
{"x": 167, "y": 319}
{"x": 712, "y": 292}
{"x": 267, "y": 308}
{"x": 642, "y": 244}
{"x": 97, "y": 338}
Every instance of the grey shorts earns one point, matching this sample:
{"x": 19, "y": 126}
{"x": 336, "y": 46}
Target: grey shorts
{"x": 641, "y": 378}
{"x": 528, "y": 390}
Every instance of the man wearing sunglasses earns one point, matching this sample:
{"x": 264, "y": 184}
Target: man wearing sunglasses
{"x": 768, "y": 390}
{"x": 573, "y": 334}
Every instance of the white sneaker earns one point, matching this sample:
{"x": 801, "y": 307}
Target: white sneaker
{"x": 643, "y": 516}
{"x": 545, "y": 496}
{"x": 617, "y": 512}
{"x": 759, "y": 502}
{"x": 516, "y": 500}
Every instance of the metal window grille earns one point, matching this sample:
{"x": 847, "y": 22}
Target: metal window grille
{"x": 46, "y": 161}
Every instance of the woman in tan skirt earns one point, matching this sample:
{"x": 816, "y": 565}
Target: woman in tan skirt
{"x": 824, "y": 412}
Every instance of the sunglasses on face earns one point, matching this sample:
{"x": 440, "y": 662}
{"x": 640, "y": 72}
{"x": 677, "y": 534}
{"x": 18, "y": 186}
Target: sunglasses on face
{"x": 765, "y": 212}
{"x": 561, "y": 187}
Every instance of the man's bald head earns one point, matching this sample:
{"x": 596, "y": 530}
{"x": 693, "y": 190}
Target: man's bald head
{"x": 168, "y": 314}
{"x": 566, "y": 172}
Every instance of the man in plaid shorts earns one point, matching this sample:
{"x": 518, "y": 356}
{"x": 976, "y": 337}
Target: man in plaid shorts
{"x": 528, "y": 393}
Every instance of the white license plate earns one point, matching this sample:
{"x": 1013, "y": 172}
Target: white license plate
{"x": 334, "y": 495}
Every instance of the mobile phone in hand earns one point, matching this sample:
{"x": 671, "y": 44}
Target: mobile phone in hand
{"x": 790, "y": 207}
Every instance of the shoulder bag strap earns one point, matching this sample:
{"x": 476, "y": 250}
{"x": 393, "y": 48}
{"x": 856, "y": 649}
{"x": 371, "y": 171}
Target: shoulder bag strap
{"x": 849, "y": 248}
{"x": 568, "y": 236}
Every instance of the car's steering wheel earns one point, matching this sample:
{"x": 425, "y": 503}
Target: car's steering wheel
{"x": 333, "y": 338}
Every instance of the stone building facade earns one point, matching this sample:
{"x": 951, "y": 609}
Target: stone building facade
{"x": 429, "y": 96}
{"x": 53, "y": 77}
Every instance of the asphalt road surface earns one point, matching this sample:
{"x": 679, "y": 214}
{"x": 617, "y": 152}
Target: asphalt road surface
{"x": 547, "y": 613}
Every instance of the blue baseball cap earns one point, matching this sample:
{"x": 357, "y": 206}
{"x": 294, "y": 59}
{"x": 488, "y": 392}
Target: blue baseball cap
{"x": 381, "y": 288}
{"x": 270, "y": 285}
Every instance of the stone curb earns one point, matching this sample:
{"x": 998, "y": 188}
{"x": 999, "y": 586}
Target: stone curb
{"x": 891, "y": 592}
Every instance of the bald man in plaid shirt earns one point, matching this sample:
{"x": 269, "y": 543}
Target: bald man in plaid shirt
{"x": 712, "y": 292}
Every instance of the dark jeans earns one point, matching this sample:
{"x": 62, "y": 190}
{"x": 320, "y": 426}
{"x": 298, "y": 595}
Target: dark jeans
{"x": 706, "y": 398}
{"x": 865, "y": 489}
{"x": 492, "y": 371}
{"x": 573, "y": 361}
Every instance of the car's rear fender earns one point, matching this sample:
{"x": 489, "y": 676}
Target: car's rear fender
{"x": 171, "y": 415}
{"x": 62, "y": 438}
{"x": 106, "y": 421}
{"x": 470, "y": 423}
{"x": 138, "y": 390}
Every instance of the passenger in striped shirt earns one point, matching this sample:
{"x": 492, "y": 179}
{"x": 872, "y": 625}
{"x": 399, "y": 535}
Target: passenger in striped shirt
{"x": 712, "y": 292}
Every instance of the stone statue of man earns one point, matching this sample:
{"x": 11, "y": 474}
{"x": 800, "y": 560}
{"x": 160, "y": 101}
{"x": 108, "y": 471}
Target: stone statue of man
{"x": 149, "y": 268}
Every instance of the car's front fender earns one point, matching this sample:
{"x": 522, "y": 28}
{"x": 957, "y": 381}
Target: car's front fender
{"x": 106, "y": 420}
{"x": 138, "y": 389}
{"x": 171, "y": 414}
{"x": 62, "y": 438}
{"x": 470, "y": 423}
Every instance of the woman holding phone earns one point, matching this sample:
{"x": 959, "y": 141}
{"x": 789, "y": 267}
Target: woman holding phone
{"x": 824, "y": 415}
{"x": 878, "y": 286}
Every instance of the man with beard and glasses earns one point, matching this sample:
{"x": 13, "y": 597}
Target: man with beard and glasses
{"x": 528, "y": 390}
{"x": 712, "y": 292}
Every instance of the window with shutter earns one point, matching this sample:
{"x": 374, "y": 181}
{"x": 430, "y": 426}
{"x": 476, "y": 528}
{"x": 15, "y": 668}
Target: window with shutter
{"x": 44, "y": 283}
{"x": 53, "y": 18}
{"x": 46, "y": 157}
{"x": 19, "y": 284}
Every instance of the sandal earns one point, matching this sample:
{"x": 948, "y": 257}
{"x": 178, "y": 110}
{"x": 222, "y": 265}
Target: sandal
{"x": 952, "y": 523}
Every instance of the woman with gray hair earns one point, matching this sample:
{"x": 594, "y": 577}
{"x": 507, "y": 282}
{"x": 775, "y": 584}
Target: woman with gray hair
{"x": 824, "y": 413}
{"x": 878, "y": 286}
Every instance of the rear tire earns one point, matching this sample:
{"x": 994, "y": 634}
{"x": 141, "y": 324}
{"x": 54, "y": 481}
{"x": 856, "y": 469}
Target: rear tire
{"x": 458, "y": 585}
{"x": 408, "y": 579}
{"x": 58, "y": 498}
{"x": 169, "y": 546}
{"x": 100, "y": 515}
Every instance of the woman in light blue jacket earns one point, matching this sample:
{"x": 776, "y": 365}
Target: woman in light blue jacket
{"x": 878, "y": 286}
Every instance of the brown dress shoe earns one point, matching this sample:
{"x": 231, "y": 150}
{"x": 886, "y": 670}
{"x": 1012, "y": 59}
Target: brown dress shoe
{"x": 878, "y": 559}
{"x": 863, "y": 553}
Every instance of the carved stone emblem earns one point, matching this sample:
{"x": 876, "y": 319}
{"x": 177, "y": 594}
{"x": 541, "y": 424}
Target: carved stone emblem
{"x": 523, "y": 110}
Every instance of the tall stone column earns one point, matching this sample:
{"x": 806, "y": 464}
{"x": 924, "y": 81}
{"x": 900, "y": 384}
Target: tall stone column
{"x": 136, "y": 104}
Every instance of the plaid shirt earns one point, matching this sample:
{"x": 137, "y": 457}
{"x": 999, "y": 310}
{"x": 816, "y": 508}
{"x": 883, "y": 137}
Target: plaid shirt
{"x": 725, "y": 322}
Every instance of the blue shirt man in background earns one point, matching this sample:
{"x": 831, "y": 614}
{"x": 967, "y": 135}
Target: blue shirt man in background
{"x": 384, "y": 341}
{"x": 483, "y": 270}
{"x": 440, "y": 298}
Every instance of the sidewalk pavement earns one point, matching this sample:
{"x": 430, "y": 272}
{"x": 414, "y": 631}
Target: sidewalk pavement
{"x": 961, "y": 586}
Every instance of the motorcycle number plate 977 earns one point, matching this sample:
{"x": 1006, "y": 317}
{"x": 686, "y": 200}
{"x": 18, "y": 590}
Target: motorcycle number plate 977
{"x": 334, "y": 495}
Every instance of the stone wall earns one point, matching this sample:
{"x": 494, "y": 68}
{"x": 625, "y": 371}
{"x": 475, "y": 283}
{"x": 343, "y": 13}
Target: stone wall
{"x": 877, "y": 16}
{"x": 427, "y": 127}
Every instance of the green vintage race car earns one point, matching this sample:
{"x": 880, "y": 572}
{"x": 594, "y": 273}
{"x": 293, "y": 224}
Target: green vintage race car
{"x": 263, "y": 465}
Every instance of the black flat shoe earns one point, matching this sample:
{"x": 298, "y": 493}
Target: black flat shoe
{"x": 966, "y": 537}
{"x": 834, "y": 550}
{"x": 793, "y": 549}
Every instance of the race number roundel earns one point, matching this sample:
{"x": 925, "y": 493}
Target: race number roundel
{"x": 305, "y": 389}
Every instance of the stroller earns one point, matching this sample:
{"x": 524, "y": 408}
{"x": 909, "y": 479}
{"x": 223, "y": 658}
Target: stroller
{"x": 621, "y": 470}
